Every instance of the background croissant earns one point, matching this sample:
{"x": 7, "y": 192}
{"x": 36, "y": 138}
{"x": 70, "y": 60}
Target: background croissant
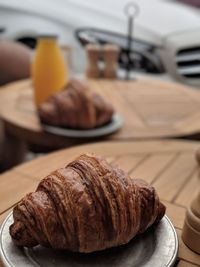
{"x": 76, "y": 107}
{"x": 87, "y": 206}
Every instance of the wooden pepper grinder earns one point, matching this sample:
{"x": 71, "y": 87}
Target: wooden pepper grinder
{"x": 93, "y": 55}
{"x": 110, "y": 55}
{"x": 191, "y": 229}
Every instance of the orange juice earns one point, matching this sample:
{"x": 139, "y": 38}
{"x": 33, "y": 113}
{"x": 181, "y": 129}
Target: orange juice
{"x": 49, "y": 71}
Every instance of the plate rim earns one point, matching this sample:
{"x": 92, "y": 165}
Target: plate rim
{"x": 7, "y": 263}
{"x": 173, "y": 259}
{"x": 116, "y": 122}
{"x": 3, "y": 258}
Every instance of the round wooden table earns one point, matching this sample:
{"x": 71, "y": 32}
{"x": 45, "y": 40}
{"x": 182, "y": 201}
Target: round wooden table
{"x": 150, "y": 109}
{"x": 167, "y": 164}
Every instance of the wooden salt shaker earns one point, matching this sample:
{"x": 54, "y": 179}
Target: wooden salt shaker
{"x": 110, "y": 55}
{"x": 93, "y": 54}
{"x": 191, "y": 228}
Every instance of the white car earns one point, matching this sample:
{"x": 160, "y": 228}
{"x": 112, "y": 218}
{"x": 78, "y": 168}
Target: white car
{"x": 166, "y": 33}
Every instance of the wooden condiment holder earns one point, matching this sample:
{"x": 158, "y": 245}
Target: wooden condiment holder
{"x": 191, "y": 228}
{"x": 110, "y": 55}
{"x": 93, "y": 55}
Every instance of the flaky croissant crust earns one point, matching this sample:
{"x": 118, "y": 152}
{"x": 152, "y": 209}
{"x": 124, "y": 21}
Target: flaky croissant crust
{"x": 87, "y": 206}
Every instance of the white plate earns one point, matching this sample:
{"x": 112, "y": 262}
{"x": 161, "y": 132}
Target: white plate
{"x": 113, "y": 126}
{"x": 157, "y": 247}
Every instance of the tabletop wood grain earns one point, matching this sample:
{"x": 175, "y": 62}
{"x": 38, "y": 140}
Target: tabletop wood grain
{"x": 149, "y": 108}
{"x": 169, "y": 165}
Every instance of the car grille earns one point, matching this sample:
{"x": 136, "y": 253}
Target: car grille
{"x": 188, "y": 62}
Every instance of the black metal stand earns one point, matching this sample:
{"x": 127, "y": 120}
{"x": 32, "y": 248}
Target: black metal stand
{"x": 131, "y": 10}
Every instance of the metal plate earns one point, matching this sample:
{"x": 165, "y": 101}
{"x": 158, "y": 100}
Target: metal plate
{"x": 157, "y": 247}
{"x": 113, "y": 126}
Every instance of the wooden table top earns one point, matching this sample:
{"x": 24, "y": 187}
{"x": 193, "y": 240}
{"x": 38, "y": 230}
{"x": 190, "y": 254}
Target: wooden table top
{"x": 149, "y": 108}
{"x": 167, "y": 164}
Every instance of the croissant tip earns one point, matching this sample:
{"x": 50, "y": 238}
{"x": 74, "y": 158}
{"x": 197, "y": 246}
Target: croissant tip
{"x": 20, "y": 235}
{"x": 161, "y": 211}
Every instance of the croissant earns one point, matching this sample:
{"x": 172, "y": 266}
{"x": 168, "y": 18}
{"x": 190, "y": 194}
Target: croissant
{"x": 87, "y": 206}
{"x": 76, "y": 107}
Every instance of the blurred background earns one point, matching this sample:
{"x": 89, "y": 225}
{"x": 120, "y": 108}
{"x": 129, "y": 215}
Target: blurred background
{"x": 163, "y": 43}
{"x": 166, "y": 33}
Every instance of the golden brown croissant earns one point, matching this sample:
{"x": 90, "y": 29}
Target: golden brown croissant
{"x": 87, "y": 206}
{"x": 76, "y": 107}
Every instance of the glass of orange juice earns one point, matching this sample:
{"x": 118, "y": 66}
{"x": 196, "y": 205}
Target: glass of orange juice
{"x": 49, "y": 71}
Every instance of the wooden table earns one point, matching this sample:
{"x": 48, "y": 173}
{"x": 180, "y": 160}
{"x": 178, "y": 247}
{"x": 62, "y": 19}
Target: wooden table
{"x": 150, "y": 109}
{"x": 169, "y": 165}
